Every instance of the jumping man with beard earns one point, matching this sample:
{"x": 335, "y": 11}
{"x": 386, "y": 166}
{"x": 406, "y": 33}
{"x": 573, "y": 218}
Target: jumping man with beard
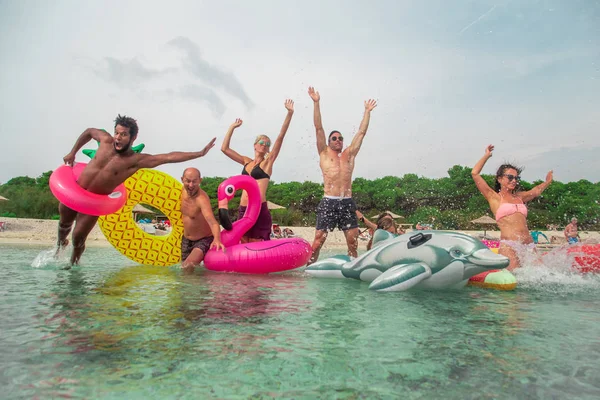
{"x": 201, "y": 231}
{"x": 113, "y": 163}
{"x": 337, "y": 208}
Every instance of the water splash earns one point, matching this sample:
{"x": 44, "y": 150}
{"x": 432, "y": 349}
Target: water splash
{"x": 551, "y": 271}
{"x": 53, "y": 258}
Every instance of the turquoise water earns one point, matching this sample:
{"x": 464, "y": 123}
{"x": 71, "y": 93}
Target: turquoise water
{"x": 113, "y": 330}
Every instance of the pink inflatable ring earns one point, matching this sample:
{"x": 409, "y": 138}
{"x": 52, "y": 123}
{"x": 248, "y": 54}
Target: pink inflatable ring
{"x": 63, "y": 184}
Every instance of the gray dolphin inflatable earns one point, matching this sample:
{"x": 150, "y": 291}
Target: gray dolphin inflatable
{"x": 427, "y": 260}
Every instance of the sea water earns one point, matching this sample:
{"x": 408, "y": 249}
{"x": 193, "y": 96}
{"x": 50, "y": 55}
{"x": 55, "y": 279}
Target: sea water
{"x": 111, "y": 329}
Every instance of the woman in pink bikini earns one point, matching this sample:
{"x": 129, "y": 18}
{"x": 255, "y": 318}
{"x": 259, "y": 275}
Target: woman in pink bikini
{"x": 508, "y": 204}
{"x": 259, "y": 168}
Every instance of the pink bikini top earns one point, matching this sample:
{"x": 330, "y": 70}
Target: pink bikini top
{"x": 506, "y": 209}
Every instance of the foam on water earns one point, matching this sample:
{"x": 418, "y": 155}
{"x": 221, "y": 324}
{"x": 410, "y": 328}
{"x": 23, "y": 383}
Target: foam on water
{"x": 551, "y": 271}
{"x": 53, "y": 258}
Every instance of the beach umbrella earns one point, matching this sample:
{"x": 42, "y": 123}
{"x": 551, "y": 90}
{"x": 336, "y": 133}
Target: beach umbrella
{"x": 484, "y": 220}
{"x": 140, "y": 209}
{"x": 394, "y": 216}
{"x": 273, "y": 206}
{"x": 3, "y": 198}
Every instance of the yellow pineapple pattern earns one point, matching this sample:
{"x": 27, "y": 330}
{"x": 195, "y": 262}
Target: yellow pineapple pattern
{"x": 159, "y": 190}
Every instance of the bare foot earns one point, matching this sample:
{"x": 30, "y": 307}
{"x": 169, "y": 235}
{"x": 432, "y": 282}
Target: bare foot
{"x": 61, "y": 246}
{"x": 187, "y": 269}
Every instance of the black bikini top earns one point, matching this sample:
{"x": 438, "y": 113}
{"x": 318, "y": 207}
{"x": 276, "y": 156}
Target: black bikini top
{"x": 257, "y": 172}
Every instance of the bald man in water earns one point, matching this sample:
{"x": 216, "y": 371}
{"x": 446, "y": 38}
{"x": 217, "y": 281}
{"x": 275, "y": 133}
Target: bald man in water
{"x": 201, "y": 231}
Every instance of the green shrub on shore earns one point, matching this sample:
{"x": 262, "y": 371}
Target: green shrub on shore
{"x": 446, "y": 203}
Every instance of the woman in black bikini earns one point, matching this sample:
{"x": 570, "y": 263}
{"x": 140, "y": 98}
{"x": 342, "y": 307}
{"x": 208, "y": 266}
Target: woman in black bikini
{"x": 260, "y": 168}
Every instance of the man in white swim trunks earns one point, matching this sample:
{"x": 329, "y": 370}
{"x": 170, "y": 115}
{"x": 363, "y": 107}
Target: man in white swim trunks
{"x": 337, "y": 208}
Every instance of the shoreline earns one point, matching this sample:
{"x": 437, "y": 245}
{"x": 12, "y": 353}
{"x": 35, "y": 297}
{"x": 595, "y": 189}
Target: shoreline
{"x": 42, "y": 232}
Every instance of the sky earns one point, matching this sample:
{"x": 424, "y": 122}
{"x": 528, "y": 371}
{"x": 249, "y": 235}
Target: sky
{"x": 449, "y": 77}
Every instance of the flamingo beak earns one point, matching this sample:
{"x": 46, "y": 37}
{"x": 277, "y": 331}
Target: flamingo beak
{"x": 224, "y": 219}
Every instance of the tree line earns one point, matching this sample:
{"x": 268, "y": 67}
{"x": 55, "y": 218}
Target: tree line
{"x": 447, "y": 203}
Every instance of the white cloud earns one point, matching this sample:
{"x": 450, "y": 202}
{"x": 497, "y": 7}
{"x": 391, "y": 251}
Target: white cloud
{"x": 188, "y": 70}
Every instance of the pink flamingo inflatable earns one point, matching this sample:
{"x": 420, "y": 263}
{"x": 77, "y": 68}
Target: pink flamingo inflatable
{"x": 255, "y": 257}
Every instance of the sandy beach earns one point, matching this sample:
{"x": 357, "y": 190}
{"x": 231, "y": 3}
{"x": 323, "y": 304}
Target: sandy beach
{"x": 43, "y": 232}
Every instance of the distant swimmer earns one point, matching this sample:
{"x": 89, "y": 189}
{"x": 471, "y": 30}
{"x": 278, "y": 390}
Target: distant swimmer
{"x": 260, "y": 168}
{"x": 507, "y": 202}
{"x": 337, "y": 208}
{"x": 571, "y": 233}
{"x": 113, "y": 163}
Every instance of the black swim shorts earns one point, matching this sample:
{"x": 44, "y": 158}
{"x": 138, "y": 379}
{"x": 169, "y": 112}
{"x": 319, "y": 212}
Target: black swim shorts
{"x": 262, "y": 226}
{"x": 336, "y": 213}
{"x": 188, "y": 245}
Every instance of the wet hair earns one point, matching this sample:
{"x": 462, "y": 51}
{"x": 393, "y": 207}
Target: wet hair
{"x": 383, "y": 215}
{"x": 332, "y": 132}
{"x": 127, "y": 122}
{"x": 501, "y": 171}
{"x": 385, "y": 223}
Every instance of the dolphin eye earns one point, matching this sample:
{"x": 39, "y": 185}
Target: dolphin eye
{"x": 229, "y": 190}
{"x": 456, "y": 253}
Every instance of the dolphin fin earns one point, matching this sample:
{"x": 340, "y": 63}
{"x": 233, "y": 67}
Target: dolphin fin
{"x": 401, "y": 277}
{"x": 381, "y": 235}
{"x": 329, "y": 267}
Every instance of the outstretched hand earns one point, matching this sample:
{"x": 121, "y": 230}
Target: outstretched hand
{"x": 217, "y": 245}
{"x": 289, "y": 105}
{"x": 314, "y": 94}
{"x": 69, "y": 159}
{"x": 489, "y": 149}
{"x": 206, "y": 148}
{"x": 549, "y": 176}
{"x": 370, "y": 104}
{"x": 238, "y": 122}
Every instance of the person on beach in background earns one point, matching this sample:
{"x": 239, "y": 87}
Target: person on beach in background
{"x": 337, "y": 208}
{"x": 113, "y": 163}
{"x": 201, "y": 231}
{"x": 261, "y": 169}
{"x": 384, "y": 222}
{"x": 571, "y": 233}
{"x": 507, "y": 203}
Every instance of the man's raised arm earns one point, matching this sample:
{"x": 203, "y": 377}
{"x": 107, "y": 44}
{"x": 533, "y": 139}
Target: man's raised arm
{"x": 321, "y": 142}
{"x": 364, "y": 125}
{"x": 151, "y": 161}
{"x": 99, "y": 135}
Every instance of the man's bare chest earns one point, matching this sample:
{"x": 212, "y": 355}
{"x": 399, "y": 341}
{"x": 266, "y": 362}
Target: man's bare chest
{"x": 189, "y": 209}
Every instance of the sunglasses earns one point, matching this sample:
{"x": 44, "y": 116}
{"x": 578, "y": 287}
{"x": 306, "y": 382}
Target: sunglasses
{"x": 340, "y": 138}
{"x": 264, "y": 143}
{"x": 510, "y": 177}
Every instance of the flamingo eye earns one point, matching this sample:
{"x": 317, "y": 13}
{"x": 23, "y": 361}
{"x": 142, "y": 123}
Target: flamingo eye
{"x": 229, "y": 190}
